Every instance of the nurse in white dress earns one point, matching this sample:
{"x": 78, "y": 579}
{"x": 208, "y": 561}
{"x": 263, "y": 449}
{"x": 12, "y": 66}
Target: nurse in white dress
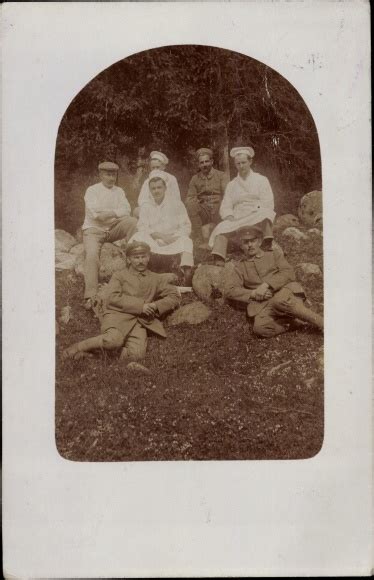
{"x": 248, "y": 201}
{"x": 164, "y": 223}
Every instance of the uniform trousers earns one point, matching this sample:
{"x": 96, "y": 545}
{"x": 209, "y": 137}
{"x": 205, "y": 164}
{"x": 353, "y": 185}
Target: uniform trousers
{"x": 93, "y": 239}
{"x": 279, "y": 310}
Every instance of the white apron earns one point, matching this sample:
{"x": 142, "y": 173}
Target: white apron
{"x": 249, "y": 201}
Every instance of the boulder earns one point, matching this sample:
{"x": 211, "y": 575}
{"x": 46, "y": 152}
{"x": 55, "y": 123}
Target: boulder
{"x": 64, "y": 241}
{"x": 310, "y": 208}
{"x": 209, "y": 281}
{"x": 193, "y": 313}
{"x": 64, "y": 261}
{"x": 294, "y": 234}
{"x": 309, "y": 269}
{"x": 315, "y": 231}
{"x": 286, "y": 221}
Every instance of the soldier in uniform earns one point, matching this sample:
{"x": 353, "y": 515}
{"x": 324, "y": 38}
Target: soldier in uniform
{"x": 265, "y": 282}
{"x": 205, "y": 193}
{"x": 135, "y": 299}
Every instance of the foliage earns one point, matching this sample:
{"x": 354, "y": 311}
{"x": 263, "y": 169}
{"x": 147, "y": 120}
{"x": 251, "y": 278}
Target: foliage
{"x": 179, "y": 98}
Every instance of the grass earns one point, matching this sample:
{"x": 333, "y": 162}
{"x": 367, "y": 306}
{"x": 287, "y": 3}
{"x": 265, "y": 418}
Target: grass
{"x": 215, "y": 392}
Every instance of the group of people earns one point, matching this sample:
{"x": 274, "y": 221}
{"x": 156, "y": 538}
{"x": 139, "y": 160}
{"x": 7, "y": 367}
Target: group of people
{"x": 136, "y": 297}
{"x": 163, "y": 221}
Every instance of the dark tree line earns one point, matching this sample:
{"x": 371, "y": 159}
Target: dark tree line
{"x": 177, "y": 99}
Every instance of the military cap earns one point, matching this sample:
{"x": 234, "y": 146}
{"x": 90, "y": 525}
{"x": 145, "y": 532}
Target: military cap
{"x": 137, "y": 248}
{"x": 108, "y": 166}
{"x": 249, "y": 231}
{"x": 204, "y": 151}
{"x": 242, "y": 150}
{"x": 160, "y": 156}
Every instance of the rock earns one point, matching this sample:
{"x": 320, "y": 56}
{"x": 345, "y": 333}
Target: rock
{"x": 193, "y": 313}
{"x": 77, "y": 250}
{"x": 64, "y": 241}
{"x": 315, "y": 231}
{"x": 318, "y": 221}
{"x": 309, "y": 269}
{"x": 295, "y": 234}
{"x": 65, "y": 314}
{"x": 310, "y": 208}
{"x": 111, "y": 259}
{"x": 64, "y": 261}
{"x": 79, "y": 235}
{"x": 286, "y": 221}
{"x": 209, "y": 281}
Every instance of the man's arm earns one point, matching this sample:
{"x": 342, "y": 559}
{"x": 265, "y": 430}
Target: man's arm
{"x": 117, "y": 300}
{"x": 192, "y": 193}
{"x": 124, "y": 207}
{"x": 226, "y": 210}
{"x": 234, "y": 287}
{"x": 284, "y": 275}
{"x": 167, "y": 297}
{"x": 266, "y": 194}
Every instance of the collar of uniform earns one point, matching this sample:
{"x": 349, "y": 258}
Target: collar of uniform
{"x": 210, "y": 174}
{"x": 136, "y": 273}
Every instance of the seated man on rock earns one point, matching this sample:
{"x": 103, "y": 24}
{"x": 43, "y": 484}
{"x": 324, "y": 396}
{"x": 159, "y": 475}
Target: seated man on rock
{"x": 205, "y": 193}
{"x": 107, "y": 219}
{"x": 265, "y": 282}
{"x": 135, "y": 299}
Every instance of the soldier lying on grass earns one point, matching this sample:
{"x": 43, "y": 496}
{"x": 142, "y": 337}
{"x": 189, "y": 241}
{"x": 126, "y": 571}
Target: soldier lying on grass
{"x": 265, "y": 281}
{"x": 135, "y": 299}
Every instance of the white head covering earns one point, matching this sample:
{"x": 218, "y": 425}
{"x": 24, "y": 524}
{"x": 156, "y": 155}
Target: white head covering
{"x": 160, "y": 156}
{"x": 242, "y": 150}
{"x": 160, "y": 175}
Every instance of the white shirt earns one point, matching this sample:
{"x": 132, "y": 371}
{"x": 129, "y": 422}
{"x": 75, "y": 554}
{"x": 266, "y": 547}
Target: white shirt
{"x": 100, "y": 198}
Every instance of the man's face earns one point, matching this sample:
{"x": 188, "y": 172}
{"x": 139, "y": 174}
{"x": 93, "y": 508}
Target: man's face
{"x": 108, "y": 177}
{"x": 158, "y": 190}
{"x": 250, "y": 245}
{"x": 156, "y": 164}
{"x": 139, "y": 261}
{"x": 205, "y": 164}
{"x": 243, "y": 164}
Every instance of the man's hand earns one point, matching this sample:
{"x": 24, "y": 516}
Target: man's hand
{"x": 166, "y": 238}
{"x": 150, "y": 309}
{"x": 104, "y": 215}
{"x": 262, "y": 292}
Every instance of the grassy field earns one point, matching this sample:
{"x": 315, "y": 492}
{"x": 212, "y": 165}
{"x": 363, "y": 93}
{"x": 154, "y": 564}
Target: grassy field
{"x": 215, "y": 390}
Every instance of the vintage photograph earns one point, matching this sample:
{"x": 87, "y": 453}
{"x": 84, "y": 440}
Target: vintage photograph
{"x": 188, "y": 263}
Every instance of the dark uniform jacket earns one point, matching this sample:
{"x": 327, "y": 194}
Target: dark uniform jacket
{"x": 213, "y": 184}
{"x": 128, "y": 291}
{"x": 270, "y": 267}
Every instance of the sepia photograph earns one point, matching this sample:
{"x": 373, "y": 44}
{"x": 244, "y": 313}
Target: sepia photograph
{"x": 189, "y": 263}
{"x": 186, "y": 289}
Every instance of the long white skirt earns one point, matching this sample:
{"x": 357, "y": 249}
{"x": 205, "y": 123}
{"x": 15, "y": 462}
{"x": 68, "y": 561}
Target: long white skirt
{"x": 181, "y": 244}
{"x": 252, "y": 218}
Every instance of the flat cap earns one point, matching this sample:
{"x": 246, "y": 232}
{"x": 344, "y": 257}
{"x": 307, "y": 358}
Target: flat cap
{"x": 249, "y": 231}
{"x": 160, "y": 156}
{"x": 242, "y": 150}
{"x": 204, "y": 151}
{"x": 137, "y": 248}
{"x": 108, "y": 166}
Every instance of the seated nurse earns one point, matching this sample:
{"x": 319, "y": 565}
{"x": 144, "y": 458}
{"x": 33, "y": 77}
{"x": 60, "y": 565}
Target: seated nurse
{"x": 164, "y": 224}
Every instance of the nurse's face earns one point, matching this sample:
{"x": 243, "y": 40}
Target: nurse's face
{"x": 243, "y": 164}
{"x": 158, "y": 190}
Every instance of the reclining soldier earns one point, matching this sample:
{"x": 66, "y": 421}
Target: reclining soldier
{"x": 265, "y": 282}
{"x": 135, "y": 299}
